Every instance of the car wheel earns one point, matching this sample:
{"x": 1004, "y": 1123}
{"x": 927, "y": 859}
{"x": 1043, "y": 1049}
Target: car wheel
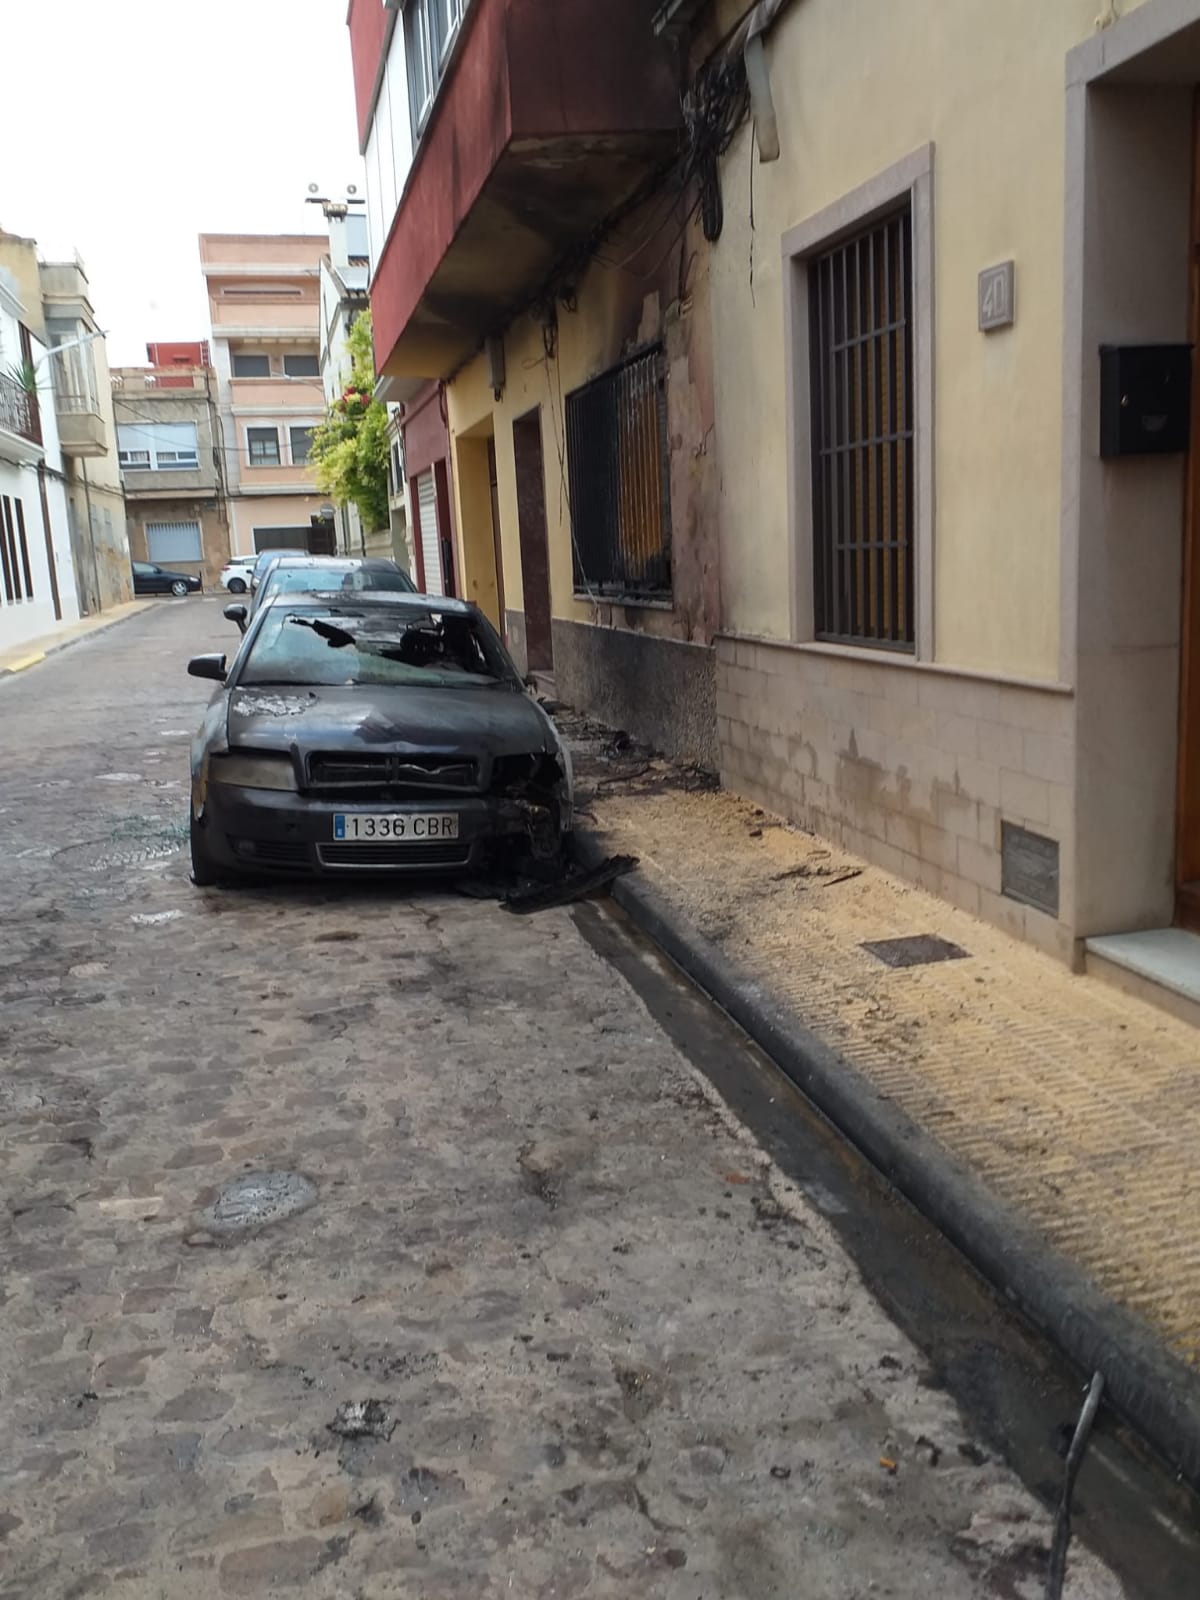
{"x": 179, "y": 588}
{"x": 237, "y": 585}
{"x": 205, "y": 872}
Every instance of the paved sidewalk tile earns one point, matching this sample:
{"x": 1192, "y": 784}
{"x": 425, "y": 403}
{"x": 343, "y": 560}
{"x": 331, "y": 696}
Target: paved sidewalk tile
{"x": 1075, "y": 1103}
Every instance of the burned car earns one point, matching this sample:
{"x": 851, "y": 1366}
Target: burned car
{"x": 382, "y": 732}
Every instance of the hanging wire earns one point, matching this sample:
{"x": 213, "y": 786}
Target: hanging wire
{"x": 714, "y": 108}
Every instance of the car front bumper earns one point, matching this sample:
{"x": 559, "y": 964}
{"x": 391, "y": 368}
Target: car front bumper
{"x": 265, "y": 831}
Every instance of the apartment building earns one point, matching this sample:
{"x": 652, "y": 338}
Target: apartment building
{"x": 497, "y": 143}
{"x": 170, "y": 451}
{"x": 873, "y": 484}
{"x": 74, "y": 382}
{"x": 264, "y": 311}
{"x": 37, "y": 574}
{"x": 83, "y": 404}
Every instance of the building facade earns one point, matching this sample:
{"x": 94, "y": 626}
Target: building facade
{"x": 938, "y": 557}
{"x": 87, "y": 433}
{"x": 264, "y": 310}
{"x": 169, "y": 447}
{"x": 37, "y": 574}
{"x": 556, "y": 398}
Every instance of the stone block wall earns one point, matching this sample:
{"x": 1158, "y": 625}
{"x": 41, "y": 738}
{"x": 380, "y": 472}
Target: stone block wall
{"x": 914, "y": 768}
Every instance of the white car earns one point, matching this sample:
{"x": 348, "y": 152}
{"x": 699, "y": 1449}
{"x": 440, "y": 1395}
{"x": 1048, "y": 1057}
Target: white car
{"x": 236, "y": 574}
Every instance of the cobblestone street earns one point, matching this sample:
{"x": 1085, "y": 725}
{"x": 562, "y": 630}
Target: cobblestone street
{"x": 609, "y": 1349}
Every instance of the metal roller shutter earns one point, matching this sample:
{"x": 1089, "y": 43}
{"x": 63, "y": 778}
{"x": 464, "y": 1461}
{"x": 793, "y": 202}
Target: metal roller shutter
{"x": 167, "y": 542}
{"x": 430, "y": 545}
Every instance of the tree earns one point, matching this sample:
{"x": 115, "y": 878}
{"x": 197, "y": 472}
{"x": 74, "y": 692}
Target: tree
{"x": 349, "y": 451}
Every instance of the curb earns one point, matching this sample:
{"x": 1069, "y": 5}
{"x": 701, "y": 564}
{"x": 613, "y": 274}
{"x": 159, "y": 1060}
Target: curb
{"x": 55, "y": 645}
{"x": 1155, "y": 1393}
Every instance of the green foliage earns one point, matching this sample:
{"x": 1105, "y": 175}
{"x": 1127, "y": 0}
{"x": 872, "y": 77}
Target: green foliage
{"x": 349, "y": 452}
{"x": 24, "y": 376}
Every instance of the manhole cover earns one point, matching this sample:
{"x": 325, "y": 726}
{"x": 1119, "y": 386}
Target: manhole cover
{"x": 257, "y": 1199}
{"x": 917, "y": 950}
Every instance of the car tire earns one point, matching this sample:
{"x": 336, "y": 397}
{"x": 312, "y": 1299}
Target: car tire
{"x": 179, "y": 588}
{"x": 237, "y": 585}
{"x": 205, "y": 872}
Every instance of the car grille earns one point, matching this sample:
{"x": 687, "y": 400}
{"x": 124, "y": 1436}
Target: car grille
{"x": 271, "y": 852}
{"x": 370, "y": 776}
{"x": 388, "y": 853}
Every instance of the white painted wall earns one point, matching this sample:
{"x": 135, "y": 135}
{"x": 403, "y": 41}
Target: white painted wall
{"x": 27, "y": 619}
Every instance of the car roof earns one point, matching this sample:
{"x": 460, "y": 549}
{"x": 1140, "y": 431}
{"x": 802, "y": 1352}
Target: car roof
{"x": 385, "y": 599}
{"x": 339, "y": 563}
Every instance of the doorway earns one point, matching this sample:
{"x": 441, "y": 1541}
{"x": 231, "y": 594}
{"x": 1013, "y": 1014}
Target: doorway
{"x": 1187, "y": 843}
{"x": 535, "y": 549}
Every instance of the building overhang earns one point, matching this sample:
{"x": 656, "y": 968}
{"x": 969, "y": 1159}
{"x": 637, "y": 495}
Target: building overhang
{"x": 545, "y": 127}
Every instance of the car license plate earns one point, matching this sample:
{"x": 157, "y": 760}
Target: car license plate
{"x": 417, "y": 827}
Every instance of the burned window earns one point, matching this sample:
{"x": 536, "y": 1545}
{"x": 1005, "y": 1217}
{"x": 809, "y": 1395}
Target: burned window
{"x": 860, "y": 310}
{"x": 617, "y": 458}
{"x": 376, "y": 646}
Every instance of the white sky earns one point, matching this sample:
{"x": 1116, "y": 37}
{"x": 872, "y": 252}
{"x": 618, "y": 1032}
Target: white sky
{"x": 127, "y": 127}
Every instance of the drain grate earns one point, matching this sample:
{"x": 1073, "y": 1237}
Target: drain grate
{"x": 915, "y": 950}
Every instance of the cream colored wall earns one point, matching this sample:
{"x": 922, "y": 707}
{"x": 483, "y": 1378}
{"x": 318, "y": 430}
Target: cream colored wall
{"x": 268, "y": 511}
{"x": 858, "y": 85}
{"x": 20, "y": 257}
{"x": 589, "y": 340}
{"x": 531, "y": 382}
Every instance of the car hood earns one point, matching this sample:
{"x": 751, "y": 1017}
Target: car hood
{"x": 478, "y": 722}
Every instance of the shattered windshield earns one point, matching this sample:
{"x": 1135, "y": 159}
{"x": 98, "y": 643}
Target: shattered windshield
{"x": 334, "y": 645}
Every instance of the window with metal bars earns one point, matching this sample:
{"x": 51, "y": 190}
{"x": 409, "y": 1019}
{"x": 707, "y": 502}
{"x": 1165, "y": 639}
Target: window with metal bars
{"x": 860, "y": 311}
{"x": 617, "y": 460}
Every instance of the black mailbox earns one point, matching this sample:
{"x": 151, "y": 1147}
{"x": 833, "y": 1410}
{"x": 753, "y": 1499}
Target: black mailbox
{"x": 1145, "y": 399}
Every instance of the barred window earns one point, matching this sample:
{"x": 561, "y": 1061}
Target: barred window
{"x": 860, "y": 308}
{"x": 617, "y": 458}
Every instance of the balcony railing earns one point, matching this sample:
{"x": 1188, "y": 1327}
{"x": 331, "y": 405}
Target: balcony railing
{"x": 19, "y": 411}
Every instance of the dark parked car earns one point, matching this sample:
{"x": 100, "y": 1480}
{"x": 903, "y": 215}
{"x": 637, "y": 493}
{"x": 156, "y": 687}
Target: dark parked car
{"x": 378, "y": 732}
{"x": 149, "y": 579}
{"x": 321, "y": 575}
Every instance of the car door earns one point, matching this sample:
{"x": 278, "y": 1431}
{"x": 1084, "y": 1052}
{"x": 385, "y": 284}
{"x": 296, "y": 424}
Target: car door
{"x": 144, "y": 578}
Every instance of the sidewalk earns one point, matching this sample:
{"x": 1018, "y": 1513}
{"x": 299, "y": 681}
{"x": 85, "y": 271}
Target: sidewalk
{"x": 35, "y": 650}
{"x": 1048, "y": 1123}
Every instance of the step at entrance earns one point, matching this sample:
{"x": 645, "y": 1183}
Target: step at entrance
{"x": 1160, "y": 965}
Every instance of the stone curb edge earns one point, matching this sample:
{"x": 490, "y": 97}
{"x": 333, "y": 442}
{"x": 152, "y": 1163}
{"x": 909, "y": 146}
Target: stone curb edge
{"x": 36, "y": 657}
{"x": 1157, "y": 1394}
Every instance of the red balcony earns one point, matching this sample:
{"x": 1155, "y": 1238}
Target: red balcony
{"x": 549, "y": 119}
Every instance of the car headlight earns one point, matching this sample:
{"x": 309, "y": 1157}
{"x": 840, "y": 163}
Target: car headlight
{"x": 253, "y": 771}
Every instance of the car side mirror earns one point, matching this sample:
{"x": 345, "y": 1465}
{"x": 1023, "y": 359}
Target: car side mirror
{"x": 207, "y": 667}
{"x": 238, "y": 614}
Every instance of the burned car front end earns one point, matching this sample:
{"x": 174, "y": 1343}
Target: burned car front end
{"x": 340, "y": 777}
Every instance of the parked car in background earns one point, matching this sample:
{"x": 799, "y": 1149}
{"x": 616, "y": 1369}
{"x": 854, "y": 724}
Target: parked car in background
{"x": 149, "y": 579}
{"x": 374, "y": 732}
{"x": 235, "y": 575}
{"x": 264, "y": 559}
{"x": 322, "y": 575}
